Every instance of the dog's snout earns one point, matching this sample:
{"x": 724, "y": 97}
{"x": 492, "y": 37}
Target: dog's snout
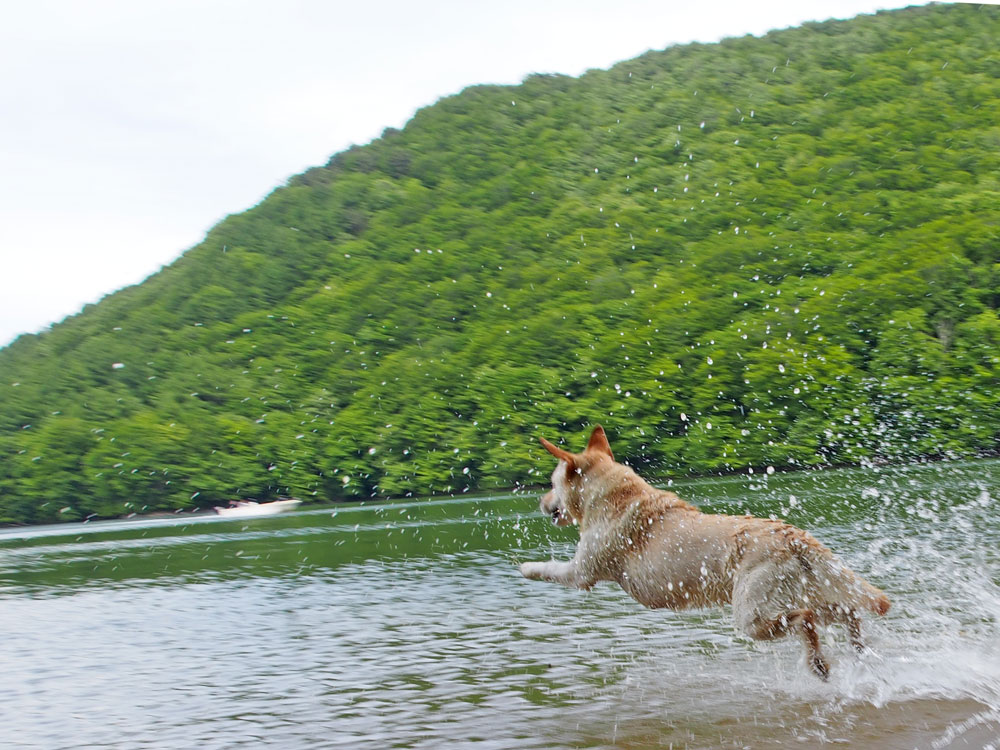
{"x": 552, "y": 507}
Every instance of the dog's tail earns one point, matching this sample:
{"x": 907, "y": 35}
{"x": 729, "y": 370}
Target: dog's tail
{"x": 860, "y": 593}
{"x": 839, "y": 583}
{"x": 874, "y": 598}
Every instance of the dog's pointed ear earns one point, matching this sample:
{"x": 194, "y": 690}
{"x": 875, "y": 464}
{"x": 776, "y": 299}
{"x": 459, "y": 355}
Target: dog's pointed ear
{"x": 562, "y": 455}
{"x": 599, "y": 442}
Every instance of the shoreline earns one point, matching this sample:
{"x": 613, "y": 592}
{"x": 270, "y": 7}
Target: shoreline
{"x": 655, "y": 480}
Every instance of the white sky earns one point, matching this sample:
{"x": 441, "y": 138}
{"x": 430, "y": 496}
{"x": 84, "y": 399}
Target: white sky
{"x": 129, "y": 127}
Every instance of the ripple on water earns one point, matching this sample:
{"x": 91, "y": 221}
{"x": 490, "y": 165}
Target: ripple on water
{"x": 411, "y": 639}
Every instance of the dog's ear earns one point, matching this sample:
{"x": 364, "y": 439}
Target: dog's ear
{"x": 562, "y": 455}
{"x": 599, "y": 442}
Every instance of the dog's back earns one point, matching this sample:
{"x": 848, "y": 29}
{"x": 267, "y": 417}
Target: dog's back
{"x": 678, "y": 557}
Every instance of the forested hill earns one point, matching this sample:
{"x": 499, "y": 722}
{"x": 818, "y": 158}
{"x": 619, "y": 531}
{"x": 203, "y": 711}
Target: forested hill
{"x": 778, "y": 251}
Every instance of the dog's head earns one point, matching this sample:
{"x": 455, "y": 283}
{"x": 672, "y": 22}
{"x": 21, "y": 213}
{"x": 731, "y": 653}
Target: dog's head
{"x": 564, "y": 502}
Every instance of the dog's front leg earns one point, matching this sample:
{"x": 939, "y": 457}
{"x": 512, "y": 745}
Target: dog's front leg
{"x": 566, "y": 573}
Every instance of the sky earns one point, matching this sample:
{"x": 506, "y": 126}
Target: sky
{"x": 128, "y": 129}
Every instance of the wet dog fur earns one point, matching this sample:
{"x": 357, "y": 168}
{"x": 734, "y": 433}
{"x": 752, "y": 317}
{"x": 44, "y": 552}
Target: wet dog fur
{"x": 666, "y": 553}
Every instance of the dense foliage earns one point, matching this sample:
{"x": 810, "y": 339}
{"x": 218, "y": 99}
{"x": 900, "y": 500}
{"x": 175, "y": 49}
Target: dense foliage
{"x": 769, "y": 251}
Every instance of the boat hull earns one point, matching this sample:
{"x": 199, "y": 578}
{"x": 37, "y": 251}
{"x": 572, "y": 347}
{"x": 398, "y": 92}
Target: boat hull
{"x": 246, "y": 510}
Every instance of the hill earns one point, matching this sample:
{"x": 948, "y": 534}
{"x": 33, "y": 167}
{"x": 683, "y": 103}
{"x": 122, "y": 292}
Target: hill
{"x": 778, "y": 251}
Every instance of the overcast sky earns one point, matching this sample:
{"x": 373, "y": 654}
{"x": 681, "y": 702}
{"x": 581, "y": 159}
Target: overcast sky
{"x": 129, "y": 128}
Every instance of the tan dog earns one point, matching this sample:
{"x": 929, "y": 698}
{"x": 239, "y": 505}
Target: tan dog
{"x": 666, "y": 553}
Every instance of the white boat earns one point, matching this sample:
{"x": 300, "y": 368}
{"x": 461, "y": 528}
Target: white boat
{"x": 246, "y": 508}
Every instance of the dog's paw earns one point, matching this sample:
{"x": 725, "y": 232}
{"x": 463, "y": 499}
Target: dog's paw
{"x": 820, "y": 667}
{"x": 531, "y": 570}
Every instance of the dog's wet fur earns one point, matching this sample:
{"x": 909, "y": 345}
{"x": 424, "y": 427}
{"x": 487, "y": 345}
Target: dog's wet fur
{"x": 666, "y": 553}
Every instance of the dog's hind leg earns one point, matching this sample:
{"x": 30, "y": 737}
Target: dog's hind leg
{"x": 802, "y": 621}
{"x": 853, "y": 623}
{"x": 763, "y": 590}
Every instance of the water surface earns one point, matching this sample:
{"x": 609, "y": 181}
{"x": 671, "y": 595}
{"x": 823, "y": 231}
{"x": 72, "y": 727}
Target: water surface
{"x": 407, "y": 625}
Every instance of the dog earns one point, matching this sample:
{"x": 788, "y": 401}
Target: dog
{"x": 666, "y": 553}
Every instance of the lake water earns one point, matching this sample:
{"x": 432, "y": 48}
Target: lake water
{"x": 406, "y": 625}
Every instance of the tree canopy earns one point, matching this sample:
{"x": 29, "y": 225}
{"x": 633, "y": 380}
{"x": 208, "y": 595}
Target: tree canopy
{"x": 777, "y": 251}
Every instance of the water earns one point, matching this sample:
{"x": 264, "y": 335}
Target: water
{"x": 407, "y": 625}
